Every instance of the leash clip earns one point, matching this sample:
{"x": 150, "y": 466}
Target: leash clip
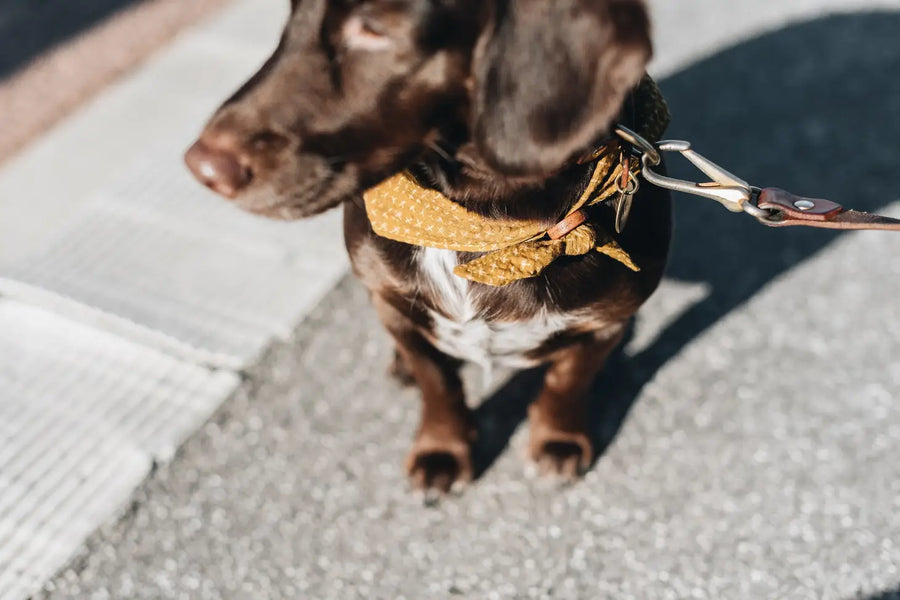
{"x": 727, "y": 189}
{"x": 771, "y": 206}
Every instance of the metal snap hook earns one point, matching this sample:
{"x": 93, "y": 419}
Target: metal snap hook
{"x": 729, "y": 190}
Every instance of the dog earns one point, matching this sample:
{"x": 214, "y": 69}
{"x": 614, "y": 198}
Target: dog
{"x": 494, "y": 104}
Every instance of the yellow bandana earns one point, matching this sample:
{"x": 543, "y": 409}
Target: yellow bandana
{"x": 400, "y": 209}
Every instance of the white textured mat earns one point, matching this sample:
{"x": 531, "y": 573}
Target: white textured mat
{"x": 122, "y": 282}
{"x": 158, "y": 259}
{"x": 83, "y": 415}
{"x": 123, "y": 237}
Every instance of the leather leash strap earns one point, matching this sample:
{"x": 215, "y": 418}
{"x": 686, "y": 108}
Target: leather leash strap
{"x": 771, "y": 206}
{"x": 789, "y": 209}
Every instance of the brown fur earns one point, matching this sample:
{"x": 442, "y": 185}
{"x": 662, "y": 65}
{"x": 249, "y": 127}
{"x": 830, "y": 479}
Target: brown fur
{"x": 488, "y": 102}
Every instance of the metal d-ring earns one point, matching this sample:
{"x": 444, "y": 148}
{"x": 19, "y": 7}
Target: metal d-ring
{"x": 631, "y": 188}
{"x": 640, "y": 143}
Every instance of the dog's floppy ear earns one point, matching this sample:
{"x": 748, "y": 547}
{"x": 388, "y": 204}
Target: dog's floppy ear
{"x": 551, "y": 76}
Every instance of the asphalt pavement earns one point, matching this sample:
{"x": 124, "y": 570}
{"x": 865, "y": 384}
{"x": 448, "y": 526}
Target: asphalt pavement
{"x": 749, "y": 431}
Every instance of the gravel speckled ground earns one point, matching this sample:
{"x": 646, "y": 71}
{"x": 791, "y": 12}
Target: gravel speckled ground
{"x": 750, "y": 432}
{"x": 719, "y": 485}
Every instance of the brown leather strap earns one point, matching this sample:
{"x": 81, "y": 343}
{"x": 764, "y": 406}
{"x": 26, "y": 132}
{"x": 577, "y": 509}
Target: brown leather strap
{"x": 566, "y": 225}
{"x": 815, "y": 212}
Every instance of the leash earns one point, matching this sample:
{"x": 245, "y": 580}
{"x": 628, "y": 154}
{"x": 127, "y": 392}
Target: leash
{"x": 773, "y": 207}
{"x": 401, "y": 209}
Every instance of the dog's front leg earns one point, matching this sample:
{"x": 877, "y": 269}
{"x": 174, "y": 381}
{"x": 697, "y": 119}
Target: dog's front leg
{"x": 559, "y": 442}
{"x": 441, "y": 452}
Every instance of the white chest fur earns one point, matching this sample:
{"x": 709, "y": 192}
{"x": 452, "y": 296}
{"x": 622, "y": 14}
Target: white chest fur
{"x": 467, "y": 336}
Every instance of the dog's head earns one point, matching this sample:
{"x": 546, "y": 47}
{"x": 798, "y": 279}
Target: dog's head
{"x": 357, "y": 90}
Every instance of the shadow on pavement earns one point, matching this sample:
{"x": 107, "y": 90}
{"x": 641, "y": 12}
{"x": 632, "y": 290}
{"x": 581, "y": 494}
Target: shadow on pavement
{"x": 813, "y": 108}
{"x": 29, "y": 27}
{"x": 887, "y": 595}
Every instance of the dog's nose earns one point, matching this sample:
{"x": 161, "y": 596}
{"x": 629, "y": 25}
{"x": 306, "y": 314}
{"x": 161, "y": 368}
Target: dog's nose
{"x": 217, "y": 168}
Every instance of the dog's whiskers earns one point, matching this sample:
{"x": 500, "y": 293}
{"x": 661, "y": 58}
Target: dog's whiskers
{"x": 436, "y": 147}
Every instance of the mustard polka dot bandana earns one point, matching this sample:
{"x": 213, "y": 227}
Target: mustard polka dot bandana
{"x": 400, "y": 209}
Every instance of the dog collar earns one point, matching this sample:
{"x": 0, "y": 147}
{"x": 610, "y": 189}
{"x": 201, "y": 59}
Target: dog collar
{"x": 402, "y": 210}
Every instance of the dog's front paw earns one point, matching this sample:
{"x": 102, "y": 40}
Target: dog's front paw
{"x": 558, "y": 452}
{"x": 439, "y": 465}
{"x": 567, "y": 457}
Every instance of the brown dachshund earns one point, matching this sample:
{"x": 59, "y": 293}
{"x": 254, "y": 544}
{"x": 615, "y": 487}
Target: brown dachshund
{"x": 492, "y": 103}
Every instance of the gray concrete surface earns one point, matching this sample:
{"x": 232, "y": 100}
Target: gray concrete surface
{"x": 749, "y": 432}
{"x": 724, "y": 481}
{"x": 130, "y": 296}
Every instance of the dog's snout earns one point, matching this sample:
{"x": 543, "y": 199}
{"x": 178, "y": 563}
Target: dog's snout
{"x": 220, "y": 169}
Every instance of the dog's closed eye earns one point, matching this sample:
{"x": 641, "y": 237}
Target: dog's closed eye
{"x": 362, "y": 33}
